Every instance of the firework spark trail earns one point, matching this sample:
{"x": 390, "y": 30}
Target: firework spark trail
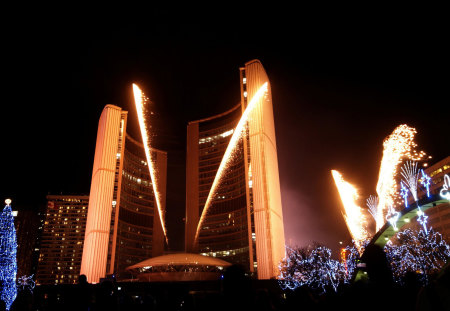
{"x": 353, "y": 214}
{"x": 141, "y": 100}
{"x": 397, "y": 146}
{"x": 410, "y": 177}
{"x": 231, "y": 148}
{"x": 372, "y": 204}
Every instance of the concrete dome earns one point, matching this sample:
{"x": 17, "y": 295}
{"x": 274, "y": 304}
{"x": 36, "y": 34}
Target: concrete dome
{"x": 178, "y": 267}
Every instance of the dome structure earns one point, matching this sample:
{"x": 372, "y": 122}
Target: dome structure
{"x": 179, "y": 267}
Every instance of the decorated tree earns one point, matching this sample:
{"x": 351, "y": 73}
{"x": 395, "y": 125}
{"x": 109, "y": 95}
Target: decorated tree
{"x": 424, "y": 252}
{"x": 313, "y": 268}
{"x": 8, "y": 250}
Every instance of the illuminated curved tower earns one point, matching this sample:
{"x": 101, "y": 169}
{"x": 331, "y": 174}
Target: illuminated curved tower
{"x": 123, "y": 225}
{"x": 244, "y": 223}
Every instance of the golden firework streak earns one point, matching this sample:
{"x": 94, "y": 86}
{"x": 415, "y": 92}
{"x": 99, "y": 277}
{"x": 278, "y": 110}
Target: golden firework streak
{"x": 229, "y": 152}
{"x": 396, "y": 147}
{"x": 353, "y": 214}
{"x": 140, "y": 100}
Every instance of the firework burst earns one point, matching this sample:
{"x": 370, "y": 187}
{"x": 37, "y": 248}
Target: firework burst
{"x": 398, "y": 146}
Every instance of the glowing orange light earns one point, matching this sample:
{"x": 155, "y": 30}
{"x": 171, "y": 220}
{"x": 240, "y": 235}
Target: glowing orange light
{"x": 353, "y": 214}
{"x": 396, "y": 147}
{"x": 141, "y": 100}
{"x": 229, "y": 153}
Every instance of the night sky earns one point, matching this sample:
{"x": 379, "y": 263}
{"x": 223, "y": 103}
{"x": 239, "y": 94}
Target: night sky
{"x": 341, "y": 82}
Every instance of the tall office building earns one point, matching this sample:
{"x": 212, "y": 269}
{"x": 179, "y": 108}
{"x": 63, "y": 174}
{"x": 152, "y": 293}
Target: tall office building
{"x": 244, "y": 223}
{"x": 62, "y": 239}
{"x": 123, "y": 224}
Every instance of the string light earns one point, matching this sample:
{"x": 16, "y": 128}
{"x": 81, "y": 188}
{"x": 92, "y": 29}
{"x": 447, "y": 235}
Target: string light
{"x": 26, "y": 283}
{"x": 392, "y": 217}
{"x": 422, "y": 252}
{"x": 404, "y": 193}
{"x": 426, "y": 182}
{"x": 445, "y": 191}
{"x": 8, "y": 252}
{"x": 312, "y": 268}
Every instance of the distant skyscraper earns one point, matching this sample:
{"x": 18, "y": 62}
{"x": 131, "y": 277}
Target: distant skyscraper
{"x": 26, "y": 222}
{"x": 244, "y": 223}
{"x": 62, "y": 239}
{"x": 123, "y": 225}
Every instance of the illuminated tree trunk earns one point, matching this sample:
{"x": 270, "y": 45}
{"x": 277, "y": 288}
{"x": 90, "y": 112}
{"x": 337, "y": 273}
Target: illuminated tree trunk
{"x": 8, "y": 263}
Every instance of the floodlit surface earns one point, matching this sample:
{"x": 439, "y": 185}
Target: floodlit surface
{"x": 237, "y": 134}
{"x": 353, "y": 214}
{"x": 398, "y": 146}
{"x": 141, "y": 100}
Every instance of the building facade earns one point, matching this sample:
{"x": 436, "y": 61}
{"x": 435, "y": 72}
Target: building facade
{"x": 439, "y": 215}
{"x": 27, "y": 225}
{"x": 61, "y": 243}
{"x": 123, "y": 225}
{"x": 244, "y": 223}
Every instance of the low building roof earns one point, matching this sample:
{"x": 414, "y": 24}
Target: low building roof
{"x": 181, "y": 259}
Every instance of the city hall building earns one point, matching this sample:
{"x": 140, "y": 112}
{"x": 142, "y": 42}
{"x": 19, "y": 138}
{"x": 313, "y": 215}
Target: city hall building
{"x": 123, "y": 225}
{"x": 244, "y": 223}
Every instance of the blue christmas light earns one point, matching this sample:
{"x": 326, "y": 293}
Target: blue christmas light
{"x": 426, "y": 182}
{"x": 445, "y": 191}
{"x": 392, "y": 217}
{"x": 8, "y": 251}
{"x": 26, "y": 283}
{"x": 404, "y": 193}
{"x": 422, "y": 252}
{"x": 422, "y": 219}
{"x": 313, "y": 268}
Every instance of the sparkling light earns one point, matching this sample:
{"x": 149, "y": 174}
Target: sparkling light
{"x": 26, "y": 282}
{"x": 404, "y": 193}
{"x": 445, "y": 191}
{"x": 422, "y": 219}
{"x": 421, "y": 252}
{"x": 141, "y": 101}
{"x": 410, "y": 177}
{"x": 8, "y": 253}
{"x": 312, "y": 268}
{"x": 353, "y": 214}
{"x": 237, "y": 134}
{"x": 396, "y": 147}
{"x": 372, "y": 204}
{"x": 392, "y": 217}
{"x": 426, "y": 182}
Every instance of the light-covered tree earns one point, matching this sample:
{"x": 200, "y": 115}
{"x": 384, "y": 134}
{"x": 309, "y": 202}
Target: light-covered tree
{"x": 423, "y": 252}
{"x": 8, "y": 252}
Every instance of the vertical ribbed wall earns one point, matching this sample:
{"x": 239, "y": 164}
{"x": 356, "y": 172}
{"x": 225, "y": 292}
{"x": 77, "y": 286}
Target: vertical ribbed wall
{"x": 95, "y": 250}
{"x": 192, "y": 194}
{"x": 269, "y": 229}
{"x": 158, "y": 234}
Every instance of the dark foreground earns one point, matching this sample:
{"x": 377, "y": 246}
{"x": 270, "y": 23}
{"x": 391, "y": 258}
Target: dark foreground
{"x": 242, "y": 294}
